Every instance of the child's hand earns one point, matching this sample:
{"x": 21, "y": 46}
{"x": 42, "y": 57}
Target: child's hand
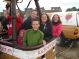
{"x": 44, "y": 42}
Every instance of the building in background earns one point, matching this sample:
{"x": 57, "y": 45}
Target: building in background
{"x": 56, "y": 9}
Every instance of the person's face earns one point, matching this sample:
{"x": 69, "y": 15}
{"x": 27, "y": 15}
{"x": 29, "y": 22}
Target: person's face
{"x": 44, "y": 18}
{"x": 34, "y": 14}
{"x": 35, "y": 25}
{"x": 21, "y": 34}
{"x": 56, "y": 18}
{"x": 17, "y": 13}
{"x": 5, "y": 13}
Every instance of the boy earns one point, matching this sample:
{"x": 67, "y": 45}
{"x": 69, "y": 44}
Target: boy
{"x": 34, "y": 36}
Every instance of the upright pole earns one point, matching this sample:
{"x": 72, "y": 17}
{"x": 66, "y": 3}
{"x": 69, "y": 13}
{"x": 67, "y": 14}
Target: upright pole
{"x": 38, "y": 8}
{"x": 77, "y": 19}
{"x": 13, "y": 14}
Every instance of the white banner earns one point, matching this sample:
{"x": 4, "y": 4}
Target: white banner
{"x": 27, "y": 54}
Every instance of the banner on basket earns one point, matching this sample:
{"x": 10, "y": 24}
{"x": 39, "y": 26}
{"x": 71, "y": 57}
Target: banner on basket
{"x": 27, "y": 54}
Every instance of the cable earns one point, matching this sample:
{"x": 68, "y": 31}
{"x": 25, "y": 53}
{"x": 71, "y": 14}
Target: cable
{"x": 26, "y": 8}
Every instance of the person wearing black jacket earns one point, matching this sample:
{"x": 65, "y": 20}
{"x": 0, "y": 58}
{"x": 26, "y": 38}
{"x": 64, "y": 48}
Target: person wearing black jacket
{"x": 3, "y": 31}
{"x": 46, "y": 27}
{"x": 27, "y": 23}
{"x": 4, "y": 20}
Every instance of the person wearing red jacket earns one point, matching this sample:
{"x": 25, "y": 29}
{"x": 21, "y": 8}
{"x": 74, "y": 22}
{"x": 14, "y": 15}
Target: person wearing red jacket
{"x": 56, "y": 28}
{"x": 19, "y": 21}
{"x": 10, "y": 25}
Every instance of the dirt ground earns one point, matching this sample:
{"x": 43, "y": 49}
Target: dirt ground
{"x": 67, "y": 52}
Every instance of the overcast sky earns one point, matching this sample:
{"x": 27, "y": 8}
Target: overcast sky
{"x": 47, "y": 4}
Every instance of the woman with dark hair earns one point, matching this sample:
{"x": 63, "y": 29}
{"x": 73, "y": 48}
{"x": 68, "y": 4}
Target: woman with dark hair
{"x": 46, "y": 27}
{"x": 56, "y": 26}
